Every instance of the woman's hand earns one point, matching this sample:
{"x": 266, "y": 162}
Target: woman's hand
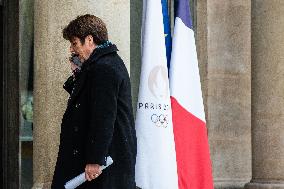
{"x": 73, "y": 66}
{"x": 92, "y": 171}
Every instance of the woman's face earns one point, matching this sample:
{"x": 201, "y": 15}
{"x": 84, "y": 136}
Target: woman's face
{"x": 83, "y": 51}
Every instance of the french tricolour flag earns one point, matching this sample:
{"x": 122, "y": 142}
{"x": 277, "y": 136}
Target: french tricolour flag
{"x": 190, "y": 132}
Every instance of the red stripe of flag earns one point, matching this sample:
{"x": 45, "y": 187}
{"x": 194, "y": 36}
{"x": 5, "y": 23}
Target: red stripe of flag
{"x": 193, "y": 162}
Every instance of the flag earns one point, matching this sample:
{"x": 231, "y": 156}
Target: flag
{"x": 167, "y": 31}
{"x": 156, "y": 160}
{"x": 190, "y": 132}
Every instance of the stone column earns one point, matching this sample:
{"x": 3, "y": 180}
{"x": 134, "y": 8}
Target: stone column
{"x": 267, "y": 95}
{"x": 229, "y": 91}
{"x": 51, "y": 69}
{"x": 136, "y": 7}
{"x": 201, "y": 47}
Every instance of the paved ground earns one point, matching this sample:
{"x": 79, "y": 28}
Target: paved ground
{"x": 27, "y": 165}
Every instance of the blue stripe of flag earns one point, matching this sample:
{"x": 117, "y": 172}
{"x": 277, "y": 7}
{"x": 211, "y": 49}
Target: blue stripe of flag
{"x": 167, "y": 30}
{"x": 182, "y": 10}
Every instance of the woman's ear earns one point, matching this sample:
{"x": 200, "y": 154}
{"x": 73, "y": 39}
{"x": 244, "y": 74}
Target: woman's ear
{"x": 90, "y": 39}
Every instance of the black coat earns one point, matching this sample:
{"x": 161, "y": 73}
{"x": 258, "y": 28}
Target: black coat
{"x": 97, "y": 123}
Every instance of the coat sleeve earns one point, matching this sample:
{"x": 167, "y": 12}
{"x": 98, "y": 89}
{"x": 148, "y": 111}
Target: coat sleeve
{"x": 103, "y": 109}
{"x": 69, "y": 83}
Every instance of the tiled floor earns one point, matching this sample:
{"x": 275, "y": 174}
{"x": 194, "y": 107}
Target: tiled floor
{"x": 27, "y": 165}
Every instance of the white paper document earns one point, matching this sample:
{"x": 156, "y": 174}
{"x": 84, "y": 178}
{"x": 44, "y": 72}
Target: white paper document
{"x": 80, "y": 179}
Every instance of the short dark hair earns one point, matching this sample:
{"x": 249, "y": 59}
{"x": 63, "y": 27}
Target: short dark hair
{"x": 85, "y": 25}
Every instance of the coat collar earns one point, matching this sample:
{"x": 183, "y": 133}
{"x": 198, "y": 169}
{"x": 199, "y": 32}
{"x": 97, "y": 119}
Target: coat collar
{"x": 97, "y": 54}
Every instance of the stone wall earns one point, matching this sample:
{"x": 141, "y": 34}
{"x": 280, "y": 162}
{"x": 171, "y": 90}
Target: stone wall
{"x": 242, "y": 99}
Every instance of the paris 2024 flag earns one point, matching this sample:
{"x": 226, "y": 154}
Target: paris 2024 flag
{"x": 156, "y": 157}
{"x": 190, "y": 132}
